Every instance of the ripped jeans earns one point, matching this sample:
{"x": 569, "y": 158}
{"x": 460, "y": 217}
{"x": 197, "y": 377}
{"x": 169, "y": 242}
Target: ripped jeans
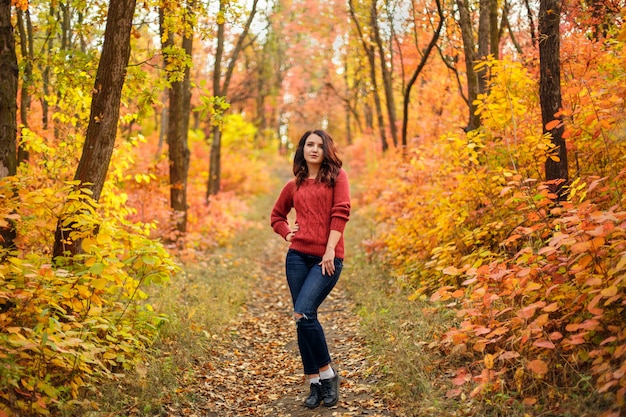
{"x": 308, "y": 290}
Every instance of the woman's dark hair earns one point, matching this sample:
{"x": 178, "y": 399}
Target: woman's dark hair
{"x": 330, "y": 166}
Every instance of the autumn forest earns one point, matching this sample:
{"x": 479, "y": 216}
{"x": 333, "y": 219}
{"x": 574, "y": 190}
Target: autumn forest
{"x": 142, "y": 144}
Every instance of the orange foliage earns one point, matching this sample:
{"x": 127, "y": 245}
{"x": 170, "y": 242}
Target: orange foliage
{"x": 466, "y": 222}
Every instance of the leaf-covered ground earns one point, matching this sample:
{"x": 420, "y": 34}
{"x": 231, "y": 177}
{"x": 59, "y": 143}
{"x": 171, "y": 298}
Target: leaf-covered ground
{"x": 253, "y": 368}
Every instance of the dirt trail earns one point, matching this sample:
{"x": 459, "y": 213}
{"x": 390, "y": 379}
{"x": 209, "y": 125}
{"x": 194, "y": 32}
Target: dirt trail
{"x": 254, "y": 368}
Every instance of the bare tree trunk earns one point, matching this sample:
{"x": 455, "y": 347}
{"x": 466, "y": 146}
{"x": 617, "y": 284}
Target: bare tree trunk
{"x": 494, "y": 30}
{"x": 25, "y": 28}
{"x": 105, "y": 112}
{"x": 484, "y": 32}
{"x": 66, "y": 26}
{"x": 531, "y": 23}
{"x": 550, "y": 89}
{"x": 371, "y": 57}
{"x": 8, "y": 107}
{"x": 45, "y": 74}
{"x": 348, "y": 118}
{"x": 386, "y": 74}
{"x": 465, "y": 24}
{"x": 213, "y": 186}
{"x": 505, "y": 24}
{"x": 8, "y": 93}
{"x": 418, "y": 70}
{"x": 180, "y": 102}
{"x": 220, "y": 89}
{"x": 175, "y": 121}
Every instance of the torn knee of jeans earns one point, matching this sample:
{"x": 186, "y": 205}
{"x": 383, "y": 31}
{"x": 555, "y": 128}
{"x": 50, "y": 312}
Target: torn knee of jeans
{"x": 299, "y": 316}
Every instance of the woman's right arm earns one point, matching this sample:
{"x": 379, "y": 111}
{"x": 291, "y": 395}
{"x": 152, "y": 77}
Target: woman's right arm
{"x": 281, "y": 209}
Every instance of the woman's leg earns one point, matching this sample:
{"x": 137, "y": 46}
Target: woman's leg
{"x": 297, "y": 268}
{"x": 309, "y": 288}
{"x": 313, "y": 291}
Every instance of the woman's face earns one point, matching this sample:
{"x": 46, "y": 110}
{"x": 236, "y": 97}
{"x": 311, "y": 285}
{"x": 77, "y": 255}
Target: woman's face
{"x": 314, "y": 150}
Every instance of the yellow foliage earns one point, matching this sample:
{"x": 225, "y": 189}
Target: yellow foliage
{"x": 72, "y": 321}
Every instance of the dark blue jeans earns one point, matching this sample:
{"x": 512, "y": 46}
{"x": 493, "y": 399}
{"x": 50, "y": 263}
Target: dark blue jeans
{"x": 308, "y": 290}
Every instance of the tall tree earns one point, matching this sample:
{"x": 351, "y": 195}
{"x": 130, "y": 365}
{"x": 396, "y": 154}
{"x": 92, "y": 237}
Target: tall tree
{"x": 484, "y": 37}
{"x": 179, "y": 110}
{"x": 370, "y": 52}
{"x": 418, "y": 70}
{"x": 385, "y": 55}
{"x": 550, "y": 89}
{"x": 8, "y": 106}
{"x": 467, "y": 33}
{"x": 221, "y": 84}
{"x": 25, "y": 28}
{"x": 105, "y": 111}
{"x": 531, "y": 23}
{"x": 477, "y": 45}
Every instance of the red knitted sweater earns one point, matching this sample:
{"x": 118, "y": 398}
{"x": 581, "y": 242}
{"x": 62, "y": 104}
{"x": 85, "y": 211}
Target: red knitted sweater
{"x": 319, "y": 209}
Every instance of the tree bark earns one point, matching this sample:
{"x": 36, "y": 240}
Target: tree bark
{"x": 531, "y": 23}
{"x": 550, "y": 89}
{"x": 8, "y": 93}
{"x": 386, "y": 74}
{"x": 494, "y": 29}
{"x": 484, "y": 35}
{"x": 177, "y": 132}
{"x": 213, "y": 186}
{"x": 418, "y": 70}
{"x": 25, "y": 28}
{"x": 467, "y": 34}
{"x": 105, "y": 111}
{"x": 371, "y": 57}
{"x": 220, "y": 89}
{"x": 45, "y": 73}
{"x": 8, "y": 107}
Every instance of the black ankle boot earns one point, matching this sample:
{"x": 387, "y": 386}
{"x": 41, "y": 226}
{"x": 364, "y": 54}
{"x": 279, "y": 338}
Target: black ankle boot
{"x": 330, "y": 390}
{"x": 315, "y": 397}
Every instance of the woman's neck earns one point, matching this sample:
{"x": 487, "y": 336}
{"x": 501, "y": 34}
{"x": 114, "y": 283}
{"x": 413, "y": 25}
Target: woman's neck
{"x": 313, "y": 170}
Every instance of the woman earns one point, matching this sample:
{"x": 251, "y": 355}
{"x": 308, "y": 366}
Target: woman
{"x": 320, "y": 195}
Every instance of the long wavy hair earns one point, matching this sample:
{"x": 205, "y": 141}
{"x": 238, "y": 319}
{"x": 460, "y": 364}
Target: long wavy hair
{"x": 330, "y": 165}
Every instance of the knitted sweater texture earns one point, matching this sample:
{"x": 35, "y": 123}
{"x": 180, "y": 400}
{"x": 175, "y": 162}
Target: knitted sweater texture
{"x": 319, "y": 209}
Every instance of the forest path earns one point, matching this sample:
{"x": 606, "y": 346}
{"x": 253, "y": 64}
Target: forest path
{"x": 254, "y": 369}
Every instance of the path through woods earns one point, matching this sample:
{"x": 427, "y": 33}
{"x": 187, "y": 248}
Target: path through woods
{"x": 254, "y": 369}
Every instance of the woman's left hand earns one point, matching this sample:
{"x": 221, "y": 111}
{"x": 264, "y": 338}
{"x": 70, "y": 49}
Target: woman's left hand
{"x": 328, "y": 262}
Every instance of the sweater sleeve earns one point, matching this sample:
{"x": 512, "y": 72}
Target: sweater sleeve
{"x": 282, "y": 207}
{"x": 340, "y": 212}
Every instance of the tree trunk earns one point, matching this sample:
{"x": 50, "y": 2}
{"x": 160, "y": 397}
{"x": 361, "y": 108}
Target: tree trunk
{"x": 346, "y": 81}
{"x": 215, "y": 162}
{"x": 105, "y": 111}
{"x": 66, "y": 26}
{"x": 531, "y": 23}
{"x": 386, "y": 74}
{"x": 177, "y": 133}
{"x": 8, "y": 93}
{"x": 25, "y": 28}
{"x": 465, "y": 24}
{"x": 45, "y": 73}
{"x": 550, "y": 89}
{"x": 178, "y": 155}
{"x": 484, "y": 35}
{"x": 371, "y": 57}
{"x": 213, "y": 186}
{"x": 220, "y": 89}
{"x": 8, "y": 107}
{"x": 494, "y": 29}
{"x": 418, "y": 70}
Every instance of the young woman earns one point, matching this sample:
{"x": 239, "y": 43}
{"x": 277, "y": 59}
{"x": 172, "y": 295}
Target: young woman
{"x": 320, "y": 195}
